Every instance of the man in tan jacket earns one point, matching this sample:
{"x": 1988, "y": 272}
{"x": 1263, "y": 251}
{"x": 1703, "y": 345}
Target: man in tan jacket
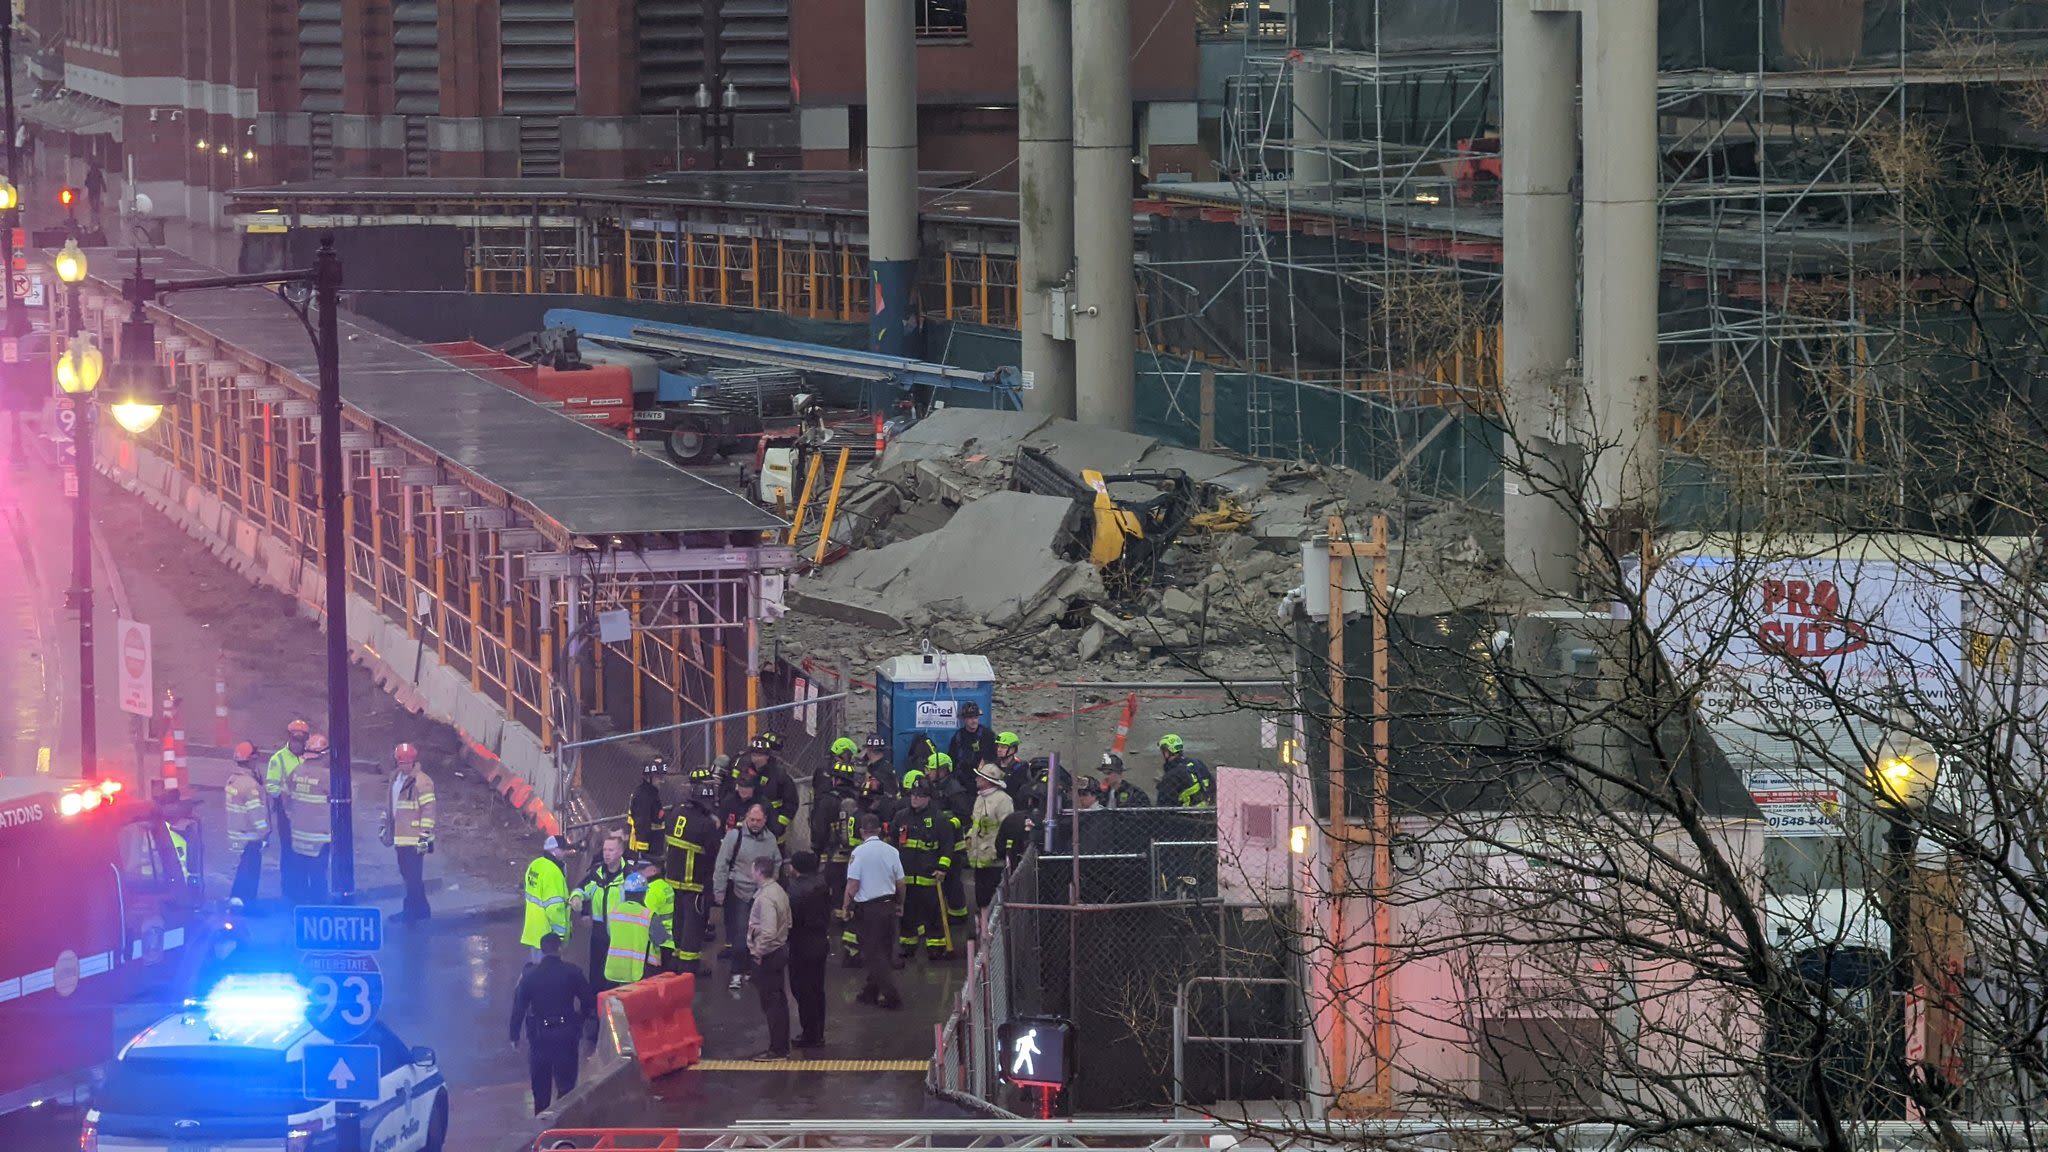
{"x": 768, "y": 926}
{"x": 248, "y": 822}
{"x": 409, "y": 828}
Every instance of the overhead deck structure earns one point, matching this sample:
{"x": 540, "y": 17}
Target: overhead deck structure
{"x": 487, "y": 534}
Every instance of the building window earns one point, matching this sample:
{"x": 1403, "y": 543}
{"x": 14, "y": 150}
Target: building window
{"x": 941, "y": 19}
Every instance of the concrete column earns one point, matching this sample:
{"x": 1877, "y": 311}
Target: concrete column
{"x": 892, "y": 177}
{"x": 1105, "y": 326}
{"x": 1539, "y": 65}
{"x": 1620, "y": 259}
{"x": 1311, "y": 129}
{"x": 1045, "y": 194}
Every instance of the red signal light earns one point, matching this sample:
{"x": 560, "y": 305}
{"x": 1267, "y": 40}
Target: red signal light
{"x": 67, "y": 196}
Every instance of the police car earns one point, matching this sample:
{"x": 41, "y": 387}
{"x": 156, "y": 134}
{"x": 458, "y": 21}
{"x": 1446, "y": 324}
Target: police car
{"x": 229, "y": 1076}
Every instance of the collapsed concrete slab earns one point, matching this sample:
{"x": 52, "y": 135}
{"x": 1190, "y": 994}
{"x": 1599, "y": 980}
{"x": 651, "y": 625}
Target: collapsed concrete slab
{"x": 958, "y": 432}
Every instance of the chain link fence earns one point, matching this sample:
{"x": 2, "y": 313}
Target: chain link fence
{"x": 1178, "y": 996}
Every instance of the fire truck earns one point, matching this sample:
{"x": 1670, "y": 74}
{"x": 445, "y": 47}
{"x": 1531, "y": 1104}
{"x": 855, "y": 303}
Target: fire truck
{"x": 96, "y": 910}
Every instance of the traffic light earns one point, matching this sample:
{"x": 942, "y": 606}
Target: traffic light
{"x": 68, "y": 197}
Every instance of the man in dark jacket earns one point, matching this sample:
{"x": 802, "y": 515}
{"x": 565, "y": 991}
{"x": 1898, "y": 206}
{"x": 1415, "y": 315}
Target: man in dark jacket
{"x": 1184, "y": 782}
{"x": 695, "y": 830}
{"x": 874, "y": 756}
{"x": 811, "y": 909}
{"x": 551, "y": 1003}
{"x": 643, "y": 811}
{"x": 1116, "y": 792}
{"x": 972, "y": 746}
{"x": 777, "y": 788}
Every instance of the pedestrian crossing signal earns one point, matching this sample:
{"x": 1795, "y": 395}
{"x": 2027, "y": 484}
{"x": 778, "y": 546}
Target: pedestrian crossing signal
{"x": 67, "y": 196}
{"x": 1035, "y": 1051}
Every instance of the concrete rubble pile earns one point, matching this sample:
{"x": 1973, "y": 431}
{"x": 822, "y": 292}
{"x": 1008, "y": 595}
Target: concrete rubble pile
{"x": 941, "y": 549}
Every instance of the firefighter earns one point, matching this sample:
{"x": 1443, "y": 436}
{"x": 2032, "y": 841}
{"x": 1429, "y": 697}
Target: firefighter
{"x": 1184, "y": 782}
{"x": 306, "y": 788}
{"x": 248, "y": 805}
{"x": 1010, "y": 761}
{"x": 661, "y": 904}
{"x": 280, "y": 766}
{"x": 1115, "y": 792}
{"x": 600, "y": 887}
{"x": 643, "y": 812}
{"x": 946, "y": 788}
{"x": 874, "y": 756}
{"x": 972, "y": 746}
{"x": 1015, "y": 837}
{"x": 694, "y": 831}
{"x": 925, "y": 840}
{"x": 409, "y": 827}
{"x": 778, "y": 790}
{"x": 745, "y": 793}
{"x": 992, "y": 806}
{"x": 183, "y": 832}
{"x": 835, "y": 794}
{"x": 958, "y": 807}
{"x": 634, "y": 932}
{"x": 547, "y": 898}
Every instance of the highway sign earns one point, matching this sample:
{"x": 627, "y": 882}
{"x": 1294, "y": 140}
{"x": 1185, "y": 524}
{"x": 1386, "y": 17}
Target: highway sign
{"x": 344, "y": 993}
{"x": 338, "y": 928}
{"x": 137, "y": 668}
{"x": 341, "y": 1072}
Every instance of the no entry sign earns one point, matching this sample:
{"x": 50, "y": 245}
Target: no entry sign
{"x": 137, "y": 671}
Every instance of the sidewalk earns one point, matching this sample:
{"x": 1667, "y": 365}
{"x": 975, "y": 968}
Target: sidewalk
{"x": 206, "y": 619}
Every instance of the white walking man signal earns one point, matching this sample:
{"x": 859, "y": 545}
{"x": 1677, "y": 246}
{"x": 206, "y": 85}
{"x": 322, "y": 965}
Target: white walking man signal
{"x": 1026, "y": 1050}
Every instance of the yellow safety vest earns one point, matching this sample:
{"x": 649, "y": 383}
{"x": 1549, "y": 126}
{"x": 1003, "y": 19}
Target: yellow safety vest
{"x": 178, "y": 847}
{"x": 547, "y": 902}
{"x": 661, "y": 900}
{"x": 625, "y": 958}
{"x": 282, "y": 763}
{"x": 600, "y": 891}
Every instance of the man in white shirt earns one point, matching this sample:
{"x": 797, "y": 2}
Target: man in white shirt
{"x": 874, "y": 888}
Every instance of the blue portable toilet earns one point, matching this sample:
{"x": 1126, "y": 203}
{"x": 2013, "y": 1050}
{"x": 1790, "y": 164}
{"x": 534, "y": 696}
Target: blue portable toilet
{"x": 923, "y": 692}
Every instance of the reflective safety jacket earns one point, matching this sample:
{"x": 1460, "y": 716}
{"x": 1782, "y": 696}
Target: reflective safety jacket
{"x": 305, "y": 805}
{"x": 629, "y": 925}
{"x": 925, "y": 841}
{"x": 282, "y": 763}
{"x": 179, "y": 849}
{"x": 643, "y": 818}
{"x": 248, "y": 810}
{"x": 547, "y": 901}
{"x": 992, "y": 806}
{"x": 599, "y": 889}
{"x": 661, "y": 901}
{"x": 412, "y": 813}
{"x": 693, "y": 836}
{"x": 1186, "y": 783}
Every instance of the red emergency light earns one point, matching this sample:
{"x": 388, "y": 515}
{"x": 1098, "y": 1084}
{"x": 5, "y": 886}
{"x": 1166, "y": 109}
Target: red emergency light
{"x": 67, "y": 196}
{"x": 87, "y": 798}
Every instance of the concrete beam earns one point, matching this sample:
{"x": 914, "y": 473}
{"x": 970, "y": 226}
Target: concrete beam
{"x": 1045, "y": 200}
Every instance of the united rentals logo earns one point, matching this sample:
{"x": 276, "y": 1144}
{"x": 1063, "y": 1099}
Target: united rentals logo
{"x": 20, "y": 814}
{"x": 1803, "y": 620}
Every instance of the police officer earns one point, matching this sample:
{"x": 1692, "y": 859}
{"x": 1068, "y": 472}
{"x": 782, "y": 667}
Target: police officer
{"x": 643, "y": 812}
{"x": 601, "y": 885}
{"x": 1115, "y": 792}
{"x": 552, "y": 1002}
{"x": 874, "y": 756}
{"x": 410, "y": 823}
{"x": 694, "y": 831}
{"x": 1184, "y": 782}
{"x": 306, "y": 788}
{"x": 634, "y": 930}
{"x": 248, "y": 805}
{"x": 925, "y": 839}
{"x": 972, "y": 746}
{"x": 661, "y": 904}
{"x": 280, "y": 766}
{"x": 547, "y": 896}
{"x": 778, "y": 790}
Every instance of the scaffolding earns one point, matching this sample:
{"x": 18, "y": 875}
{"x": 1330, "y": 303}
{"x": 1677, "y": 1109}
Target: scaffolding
{"x": 1368, "y": 229}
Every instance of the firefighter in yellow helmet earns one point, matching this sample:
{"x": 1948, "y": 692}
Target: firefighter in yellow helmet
{"x": 547, "y": 896}
{"x": 306, "y": 788}
{"x": 248, "y": 811}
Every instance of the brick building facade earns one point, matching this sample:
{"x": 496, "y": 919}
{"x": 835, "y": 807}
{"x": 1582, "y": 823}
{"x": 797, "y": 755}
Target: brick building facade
{"x": 195, "y": 97}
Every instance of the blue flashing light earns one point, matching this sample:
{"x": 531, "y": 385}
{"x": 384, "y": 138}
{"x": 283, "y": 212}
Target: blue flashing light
{"x": 247, "y": 1007}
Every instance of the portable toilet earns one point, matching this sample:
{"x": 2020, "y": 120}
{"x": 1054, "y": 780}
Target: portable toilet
{"x": 924, "y": 691}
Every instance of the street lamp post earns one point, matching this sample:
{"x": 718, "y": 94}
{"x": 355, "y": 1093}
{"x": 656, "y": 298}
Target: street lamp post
{"x": 1903, "y": 776}
{"x": 78, "y": 374}
{"x": 138, "y": 370}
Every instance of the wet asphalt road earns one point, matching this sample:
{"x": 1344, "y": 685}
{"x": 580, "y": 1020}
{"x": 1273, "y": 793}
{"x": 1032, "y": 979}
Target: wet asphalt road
{"x": 449, "y": 986}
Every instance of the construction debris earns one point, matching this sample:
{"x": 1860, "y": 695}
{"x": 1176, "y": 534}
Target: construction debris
{"x": 936, "y": 546}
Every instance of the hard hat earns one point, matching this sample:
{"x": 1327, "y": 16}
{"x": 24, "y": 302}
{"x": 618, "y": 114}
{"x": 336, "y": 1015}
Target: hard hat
{"x": 654, "y": 767}
{"x": 921, "y": 789}
{"x": 298, "y": 728}
{"x": 707, "y": 789}
{"x": 877, "y": 740}
{"x": 244, "y": 752}
{"x": 1170, "y": 744}
{"x": 913, "y": 778}
{"x": 1007, "y": 740}
{"x": 943, "y": 760}
{"x": 970, "y": 709}
{"x": 1111, "y": 762}
{"x": 701, "y": 774}
{"x": 990, "y": 773}
{"x": 765, "y": 742}
{"x": 636, "y": 884}
{"x": 316, "y": 745}
{"x": 844, "y": 746}
{"x": 406, "y": 754}
{"x": 552, "y": 844}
